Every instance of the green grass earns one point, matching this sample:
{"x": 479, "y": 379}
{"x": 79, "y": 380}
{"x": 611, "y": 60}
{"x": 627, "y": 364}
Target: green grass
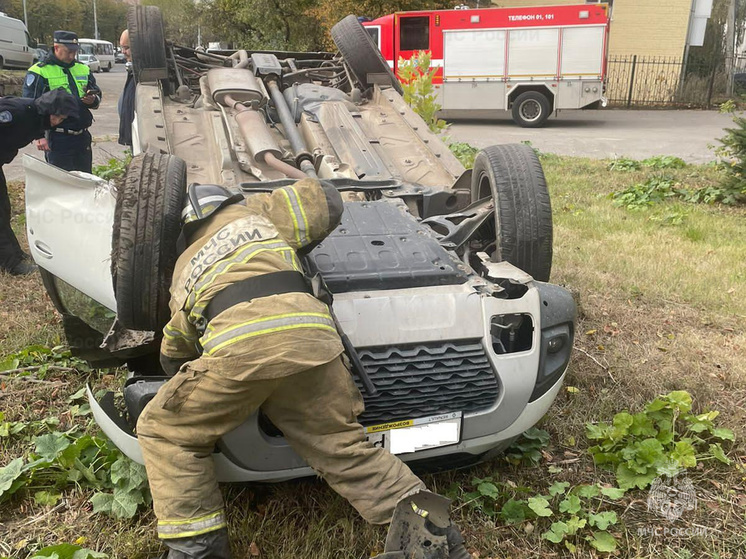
{"x": 662, "y": 306}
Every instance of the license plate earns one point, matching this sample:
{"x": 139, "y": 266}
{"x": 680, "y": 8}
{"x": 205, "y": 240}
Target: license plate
{"x": 411, "y": 435}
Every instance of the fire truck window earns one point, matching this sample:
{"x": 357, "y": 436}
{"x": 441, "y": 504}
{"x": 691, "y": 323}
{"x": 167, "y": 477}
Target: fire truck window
{"x": 414, "y": 33}
{"x": 373, "y": 32}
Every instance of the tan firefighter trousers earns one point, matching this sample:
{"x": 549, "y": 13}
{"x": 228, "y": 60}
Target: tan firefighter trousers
{"x": 316, "y": 410}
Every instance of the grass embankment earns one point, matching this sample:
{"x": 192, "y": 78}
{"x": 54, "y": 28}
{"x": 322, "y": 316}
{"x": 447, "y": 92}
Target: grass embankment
{"x": 662, "y": 300}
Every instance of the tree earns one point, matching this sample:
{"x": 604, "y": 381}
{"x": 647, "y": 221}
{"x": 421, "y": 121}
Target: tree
{"x": 262, "y": 24}
{"x": 329, "y": 12}
{"x": 713, "y": 51}
{"x": 46, "y": 16}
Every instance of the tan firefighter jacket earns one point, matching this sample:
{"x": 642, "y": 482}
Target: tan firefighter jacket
{"x": 283, "y": 334}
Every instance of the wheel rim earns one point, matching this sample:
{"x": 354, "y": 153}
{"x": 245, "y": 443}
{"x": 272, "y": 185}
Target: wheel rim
{"x": 530, "y": 110}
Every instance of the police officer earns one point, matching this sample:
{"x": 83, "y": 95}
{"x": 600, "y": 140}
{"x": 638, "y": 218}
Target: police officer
{"x": 246, "y": 332}
{"x": 21, "y": 121}
{"x": 67, "y": 146}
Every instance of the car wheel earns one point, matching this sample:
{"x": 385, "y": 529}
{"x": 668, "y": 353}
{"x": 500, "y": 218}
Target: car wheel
{"x": 108, "y": 68}
{"x": 521, "y": 232}
{"x": 2, "y": 63}
{"x": 361, "y": 54}
{"x": 531, "y": 109}
{"x": 148, "y": 44}
{"x": 147, "y": 223}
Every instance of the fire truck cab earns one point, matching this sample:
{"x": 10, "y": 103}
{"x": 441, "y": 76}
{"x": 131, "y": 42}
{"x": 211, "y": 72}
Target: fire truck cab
{"x": 531, "y": 61}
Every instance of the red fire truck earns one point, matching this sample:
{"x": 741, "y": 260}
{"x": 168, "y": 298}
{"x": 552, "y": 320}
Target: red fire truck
{"x": 531, "y": 61}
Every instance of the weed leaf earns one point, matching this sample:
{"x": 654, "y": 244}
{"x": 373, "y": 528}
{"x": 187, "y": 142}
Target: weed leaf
{"x": 50, "y": 445}
{"x": 540, "y": 506}
{"x": 603, "y": 541}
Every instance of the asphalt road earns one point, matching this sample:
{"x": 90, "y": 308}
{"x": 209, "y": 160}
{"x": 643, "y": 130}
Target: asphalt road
{"x": 608, "y": 133}
{"x": 605, "y": 133}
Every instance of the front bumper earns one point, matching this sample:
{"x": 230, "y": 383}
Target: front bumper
{"x": 528, "y": 378}
{"x": 113, "y": 425}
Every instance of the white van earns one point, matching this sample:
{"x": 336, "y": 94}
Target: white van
{"x": 15, "y": 51}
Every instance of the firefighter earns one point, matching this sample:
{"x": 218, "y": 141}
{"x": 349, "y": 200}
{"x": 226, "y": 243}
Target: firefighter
{"x": 67, "y": 146}
{"x": 21, "y": 121}
{"x": 246, "y": 332}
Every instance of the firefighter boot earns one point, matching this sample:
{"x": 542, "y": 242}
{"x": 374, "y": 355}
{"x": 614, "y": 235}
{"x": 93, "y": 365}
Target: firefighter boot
{"x": 421, "y": 528}
{"x": 212, "y": 545}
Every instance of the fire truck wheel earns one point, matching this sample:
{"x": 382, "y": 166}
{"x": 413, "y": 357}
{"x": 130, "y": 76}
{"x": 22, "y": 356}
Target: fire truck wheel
{"x": 531, "y": 109}
{"x": 361, "y": 54}
{"x": 148, "y": 44}
{"x": 521, "y": 232}
{"x": 147, "y": 224}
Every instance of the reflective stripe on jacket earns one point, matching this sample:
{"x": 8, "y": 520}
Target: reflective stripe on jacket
{"x": 243, "y": 241}
{"x": 57, "y": 78}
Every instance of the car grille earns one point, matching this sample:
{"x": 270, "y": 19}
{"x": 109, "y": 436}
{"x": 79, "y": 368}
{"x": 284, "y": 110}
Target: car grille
{"x": 426, "y": 379}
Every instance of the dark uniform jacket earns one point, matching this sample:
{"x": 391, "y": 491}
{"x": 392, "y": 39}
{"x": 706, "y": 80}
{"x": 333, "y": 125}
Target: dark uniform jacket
{"x": 20, "y": 123}
{"x": 127, "y": 110}
{"x": 36, "y": 84}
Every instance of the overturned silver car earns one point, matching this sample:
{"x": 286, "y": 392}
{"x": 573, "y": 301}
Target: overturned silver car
{"x": 438, "y": 273}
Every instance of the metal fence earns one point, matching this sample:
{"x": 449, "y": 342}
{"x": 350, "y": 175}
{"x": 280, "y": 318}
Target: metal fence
{"x": 638, "y": 81}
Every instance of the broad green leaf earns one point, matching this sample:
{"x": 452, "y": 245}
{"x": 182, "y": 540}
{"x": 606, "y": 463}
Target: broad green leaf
{"x": 622, "y": 421}
{"x": 556, "y": 532}
{"x": 79, "y": 395}
{"x": 50, "y": 445}
{"x": 46, "y": 498}
{"x": 603, "y": 541}
{"x": 613, "y": 493}
{"x": 513, "y": 512}
{"x": 642, "y": 426}
{"x": 683, "y": 453}
{"x": 649, "y": 451}
{"x": 656, "y": 405}
{"x": 602, "y": 520}
{"x": 570, "y": 504}
{"x": 558, "y": 487}
{"x": 102, "y": 502}
{"x": 627, "y": 479}
{"x": 723, "y": 434}
{"x": 540, "y": 506}
{"x": 9, "y": 474}
{"x": 571, "y": 547}
{"x": 681, "y": 399}
{"x": 595, "y": 432}
{"x": 124, "y": 504}
{"x": 574, "y": 524}
{"x": 486, "y": 489}
{"x": 587, "y": 491}
{"x": 601, "y": 458}
{"x": 717, "y": 451}
{"x": 536, "y": 434}
{"x": 128, "y": 474}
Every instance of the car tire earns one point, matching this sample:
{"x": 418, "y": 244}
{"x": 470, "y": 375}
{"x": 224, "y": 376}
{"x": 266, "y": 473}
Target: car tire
{"x": 108, "y": 68}
{"x": 531, "y": 109}
{"x": 148, "y": 44}
{"x": 361, "y": 54}
{"x": 522, "y": 227}
{"x": 147, "y": 224}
